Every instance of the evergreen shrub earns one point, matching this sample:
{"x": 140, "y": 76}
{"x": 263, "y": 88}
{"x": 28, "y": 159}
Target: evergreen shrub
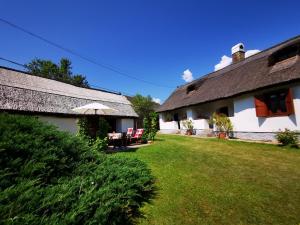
{"x": 52, "y": 177}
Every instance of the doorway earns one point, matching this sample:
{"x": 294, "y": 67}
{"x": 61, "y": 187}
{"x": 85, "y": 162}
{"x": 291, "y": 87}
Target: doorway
{"x": 176, "y": 118}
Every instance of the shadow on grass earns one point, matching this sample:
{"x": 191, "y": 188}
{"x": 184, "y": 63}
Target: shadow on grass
{"x": 121, "y": 149}
{"x": 294, "y": 146}
{"x": 151, "y": 196}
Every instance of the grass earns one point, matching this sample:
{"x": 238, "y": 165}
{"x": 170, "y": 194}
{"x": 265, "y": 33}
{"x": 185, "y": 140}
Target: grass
{"x": 210, "y": 181}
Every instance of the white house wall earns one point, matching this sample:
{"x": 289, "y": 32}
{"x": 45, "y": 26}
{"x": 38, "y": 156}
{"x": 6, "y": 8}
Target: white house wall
{"x": 63, "y": 123}
{"x": 245, "y": 119}
{"x": 69, "y": 124}
{"x": 200, "y": 125}
{"x": 243, "y": 116}
{"x": 167, "y": 127}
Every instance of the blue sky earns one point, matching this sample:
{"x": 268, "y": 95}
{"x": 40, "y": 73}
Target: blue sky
{"x": 154, "y": 40}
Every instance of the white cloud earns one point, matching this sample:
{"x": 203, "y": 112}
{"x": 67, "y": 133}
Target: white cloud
{"x": 226, "y": 61}
{"x": 251, "y": 52}
{"x": 187, "y": 76}
{"x": 157, "y": 100}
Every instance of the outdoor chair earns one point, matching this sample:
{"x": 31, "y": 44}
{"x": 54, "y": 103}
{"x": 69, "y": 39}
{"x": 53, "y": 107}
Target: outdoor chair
{"x": 138, "y": 135}
{"x": 129, "y": 133}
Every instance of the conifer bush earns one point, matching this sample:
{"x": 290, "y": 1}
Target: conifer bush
{"x": 52, "y": 177}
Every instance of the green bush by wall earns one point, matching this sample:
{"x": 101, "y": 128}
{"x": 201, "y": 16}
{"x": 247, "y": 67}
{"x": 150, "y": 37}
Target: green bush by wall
{"x": 51, "y": 177}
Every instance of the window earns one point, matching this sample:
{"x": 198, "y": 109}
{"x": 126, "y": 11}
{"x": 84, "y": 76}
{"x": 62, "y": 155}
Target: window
{"x": 182, "y": 116}
{"x": 284, "y": 54}
{"x": 190, "y": 88}
{"x": 200, "y": 115}
{"x": 168, "y": 117}
{"x": 279, "y": 103}
{"x": 196, "y": 85}
{"x": 224, "y": 110}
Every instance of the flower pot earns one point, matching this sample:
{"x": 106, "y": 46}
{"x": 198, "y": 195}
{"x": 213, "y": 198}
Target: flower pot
{"x": 222, "y": 135}
{"x": 189, "y": 132}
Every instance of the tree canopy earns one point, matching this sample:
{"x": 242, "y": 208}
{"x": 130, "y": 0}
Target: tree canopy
{"x": 143, "y": 105}
{"x": 60, "y": 72}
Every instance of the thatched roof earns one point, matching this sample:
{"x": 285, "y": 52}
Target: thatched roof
{"x": 21, "y": 91}
{"x": 253, "y": 73}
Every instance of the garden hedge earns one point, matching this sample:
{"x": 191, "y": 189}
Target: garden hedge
{"x": 52, "y": 177}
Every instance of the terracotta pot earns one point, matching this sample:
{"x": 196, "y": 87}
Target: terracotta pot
{"x": 222, "y": 135}
{"x": 189, "y": 132}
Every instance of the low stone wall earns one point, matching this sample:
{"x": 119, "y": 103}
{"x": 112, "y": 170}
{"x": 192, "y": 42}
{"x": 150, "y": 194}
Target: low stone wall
{"x": 200, "y": 132}
{"x": 169, "y": 131}
{"x": 255, "y": 136}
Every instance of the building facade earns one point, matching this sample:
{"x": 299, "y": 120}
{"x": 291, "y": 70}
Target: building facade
{"x": 52, "y": 101}
{"x": 260, "y": 94}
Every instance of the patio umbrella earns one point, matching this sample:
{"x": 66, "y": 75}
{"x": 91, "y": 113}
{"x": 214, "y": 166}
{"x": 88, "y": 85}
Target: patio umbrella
{"x": 94, "y": 109}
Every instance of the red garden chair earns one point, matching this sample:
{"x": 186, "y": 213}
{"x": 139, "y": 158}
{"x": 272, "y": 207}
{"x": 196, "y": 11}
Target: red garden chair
{"x": 129, "y": 133}
{"x": 138, "y": 135}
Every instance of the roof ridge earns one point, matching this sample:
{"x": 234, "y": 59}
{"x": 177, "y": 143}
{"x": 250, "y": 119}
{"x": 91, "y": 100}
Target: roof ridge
{"x": 18, "y": 79}
{"x": 77, "y": 97}
{"x": 31, "y": 74}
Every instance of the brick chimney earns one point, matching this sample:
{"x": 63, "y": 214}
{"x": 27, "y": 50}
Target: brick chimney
{"x": 238, "y": 52}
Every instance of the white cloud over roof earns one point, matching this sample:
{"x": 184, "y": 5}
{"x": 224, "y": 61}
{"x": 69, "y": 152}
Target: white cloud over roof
{"x": 187, "y": 76}
{"x": 157, "y": 100}
{"x": 226, "y": 60}
{"x": 251, "y": 52}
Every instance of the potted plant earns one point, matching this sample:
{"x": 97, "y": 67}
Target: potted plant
{"x": 188, "y": 124}
{"x": 222, "y": 124}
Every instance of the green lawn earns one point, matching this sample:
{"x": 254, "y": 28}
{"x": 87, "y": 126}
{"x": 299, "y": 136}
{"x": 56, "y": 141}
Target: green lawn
{"x": 210, "y": 181}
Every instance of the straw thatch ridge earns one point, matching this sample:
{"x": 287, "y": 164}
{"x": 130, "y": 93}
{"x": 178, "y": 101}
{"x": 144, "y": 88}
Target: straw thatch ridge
{"x": 246, "y": 76}
{"x": 27, "y": 93}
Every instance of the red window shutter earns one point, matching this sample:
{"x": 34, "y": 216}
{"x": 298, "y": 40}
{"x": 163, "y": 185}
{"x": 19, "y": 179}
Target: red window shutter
{"x": 261, "y": 107}
{"x": 289, "y": 102}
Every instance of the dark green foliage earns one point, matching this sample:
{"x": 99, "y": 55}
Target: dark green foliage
{"x": 93, "y": 127}
{"x": 150, "y": 126}
{"x": 83, "y": 128}
{"x": 51, "y": 177}
{"x": 61, "y": 72}
{"x": 146, "y": 125}
{"x": 153, "y": 125}
{"x": 287, "y": 137}
{"x": 30, "y": 148}
{"x": 103, "y": 128}
{"x": 99, "y": 144}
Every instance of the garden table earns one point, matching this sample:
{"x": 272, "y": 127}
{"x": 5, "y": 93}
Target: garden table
{"x": 115, "y": 139}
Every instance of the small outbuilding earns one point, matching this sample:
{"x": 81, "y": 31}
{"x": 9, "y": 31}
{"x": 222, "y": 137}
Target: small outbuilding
{"x": 54, "y": 101}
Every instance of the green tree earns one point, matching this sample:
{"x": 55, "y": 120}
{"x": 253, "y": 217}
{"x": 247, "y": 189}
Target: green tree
{"x": 60, "y": 72}
{"x": 143, "y": 105}
{"x": 151, "y": 126}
